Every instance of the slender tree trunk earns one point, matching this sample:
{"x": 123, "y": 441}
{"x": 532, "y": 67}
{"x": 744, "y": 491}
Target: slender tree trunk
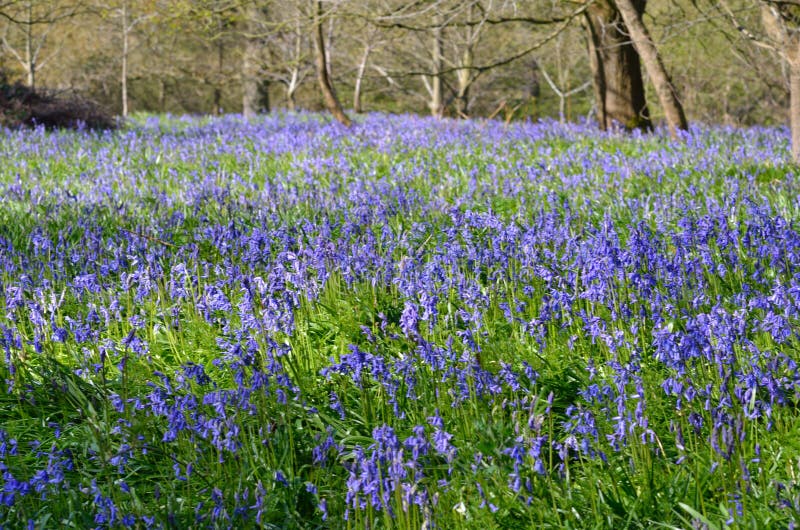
{"x": 461, "y": 103}
{"x": 252, "y": 101}
{"x": 464, "y": 75}
{"x": 250, "y": 78}
{"x": 794, "y": 108}
{"x": 792, "y": 47}
{"x": 162, "y": 94}
{"x": 616, "y": 70}
{"x": 218, "y": 110}
{"x": 263, "y": 96}
{"x": 291, "y": 103}
{"x": 295, "y": 79}
{"x": 667, "y": 94}
{"x": 29, "y": 54}
{"x": 464, "y": 78}
{"x": 437, "y": 100}
{"x": 326, "y": 86}
{"x": 329, "y": 48}
{"x": 291, "y": 90}
{"x": 125, "y": 46}
{"x": 362, "y": 66}
{"x": 789, "y": 45}
{"x": 31, "y": 74}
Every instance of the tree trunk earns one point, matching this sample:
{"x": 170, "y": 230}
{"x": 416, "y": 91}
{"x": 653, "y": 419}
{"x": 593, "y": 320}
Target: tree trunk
{"x": 667, "y": 95}
{"x": 465, "y": 79}
{"x": 291, "y": 103}
{"x": 616, "y": 70}
{"x": 461, "y": 103}
{"x": 125, "y": 32}
{"x": 29, "y": 55}
{"x": 264, "y": 103}
{"x": 794, "y": 108}
{"x": 326, "y": 86}
{"x": 30, "y": 61}
{"x": 437, "y": 101}
{"x": 788, "y": 43}
{"x": 252, "y": 96}
{"x": 162, "y": 95}
{"x": 329, "y": 48}
{"x": 218, "y": 110}
{"x": 250, "y": 78}
{"x": 362, "y": 66}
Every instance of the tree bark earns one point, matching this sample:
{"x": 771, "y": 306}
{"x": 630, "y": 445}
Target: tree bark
{"x": 162, "y": 95}
{"x": 465, "y": 79}
{"x": 465, "y": 76}
{"x": 665, "y": 89}
{"x": 218, "y": 110}
{"x": 794, "y": 108}
{"x": 788, "y": 44}
{"x": 125, "y": 45}
{"x": 437, "y": 100}
{"x": 250, "y": 78}
{"x": 252, "y": 89}
{"x": 264, "y": 103}
{"x": 362, "y": 66}
{"x": 326, "y": 86}
{"x": 616, "y": 69}
{"x": 29, "y": 55}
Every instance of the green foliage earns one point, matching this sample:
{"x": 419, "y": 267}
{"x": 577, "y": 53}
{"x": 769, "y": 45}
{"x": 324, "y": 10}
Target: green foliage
{"x": 82, "y": 399}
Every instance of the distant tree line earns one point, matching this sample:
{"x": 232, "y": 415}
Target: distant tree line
{"x": 626, "y": 63}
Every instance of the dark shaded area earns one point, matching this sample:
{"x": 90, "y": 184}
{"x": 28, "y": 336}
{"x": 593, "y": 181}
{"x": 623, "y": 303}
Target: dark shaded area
{"x": 21, "y": 106}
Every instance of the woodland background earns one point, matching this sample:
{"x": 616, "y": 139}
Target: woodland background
{"x": 523, "y": 59}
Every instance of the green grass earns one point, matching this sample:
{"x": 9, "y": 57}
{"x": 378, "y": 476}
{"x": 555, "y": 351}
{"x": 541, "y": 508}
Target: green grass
{"x": 169, "y": 196}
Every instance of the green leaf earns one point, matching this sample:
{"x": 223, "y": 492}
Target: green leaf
{"x": 698, "y": 516}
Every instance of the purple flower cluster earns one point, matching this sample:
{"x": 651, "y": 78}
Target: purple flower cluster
{"x": 365, "y": 320}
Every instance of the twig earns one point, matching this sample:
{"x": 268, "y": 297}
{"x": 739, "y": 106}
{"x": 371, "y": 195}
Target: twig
{"x": 151, "y": 238}
{"x": 497, "y": 110}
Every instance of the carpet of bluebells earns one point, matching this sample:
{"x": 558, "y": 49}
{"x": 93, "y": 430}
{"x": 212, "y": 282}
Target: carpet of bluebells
{"x": 409, "y": 324}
